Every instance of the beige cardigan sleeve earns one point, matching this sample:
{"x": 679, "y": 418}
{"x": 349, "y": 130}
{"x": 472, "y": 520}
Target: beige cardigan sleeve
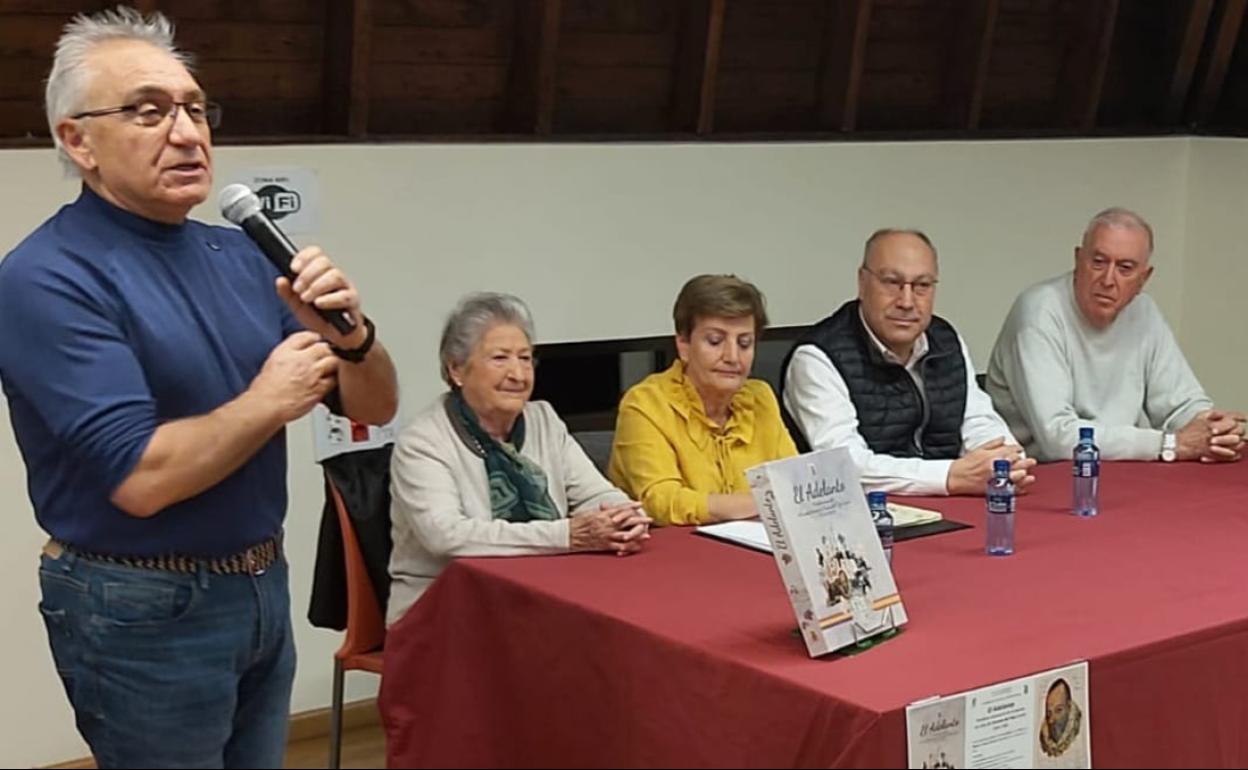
{"x": 426, "y": 474}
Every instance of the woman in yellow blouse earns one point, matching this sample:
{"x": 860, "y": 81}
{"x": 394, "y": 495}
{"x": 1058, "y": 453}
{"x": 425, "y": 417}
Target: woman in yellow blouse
{"x": 685, "y": 436}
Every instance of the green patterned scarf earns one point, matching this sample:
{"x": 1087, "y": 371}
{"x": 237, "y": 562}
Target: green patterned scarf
{"x": 518, "y": 487}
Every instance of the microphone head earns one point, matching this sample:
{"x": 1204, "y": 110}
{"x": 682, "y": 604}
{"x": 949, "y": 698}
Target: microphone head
{"x": 238, "y": 202}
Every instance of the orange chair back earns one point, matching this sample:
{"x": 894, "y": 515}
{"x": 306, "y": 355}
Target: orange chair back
{"x": 366, "y": 627}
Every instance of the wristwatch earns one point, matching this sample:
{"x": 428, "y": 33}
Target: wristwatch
{"x": 356, "y": 355}
{"x": 1168, "y": 445}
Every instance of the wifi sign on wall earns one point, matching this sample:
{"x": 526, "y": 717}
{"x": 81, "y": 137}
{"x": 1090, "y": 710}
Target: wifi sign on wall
{"x": 290, "y": 195}
{"x": 278, "y": 201}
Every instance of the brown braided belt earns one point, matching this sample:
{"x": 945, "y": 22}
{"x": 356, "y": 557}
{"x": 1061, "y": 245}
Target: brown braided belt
{"x": 252, "y": 561}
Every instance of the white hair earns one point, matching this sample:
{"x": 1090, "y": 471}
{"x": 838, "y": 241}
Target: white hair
{"x": 70, "y": 76}
{"x": 472, "y": 318}
{"x": 1117, "y": 216}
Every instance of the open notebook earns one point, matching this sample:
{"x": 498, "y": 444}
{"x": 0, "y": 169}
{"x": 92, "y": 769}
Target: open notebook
{"x": 750, "y": 533}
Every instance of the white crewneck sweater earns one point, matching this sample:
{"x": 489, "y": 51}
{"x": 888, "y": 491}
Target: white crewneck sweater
{"x": 1051, "y": 373}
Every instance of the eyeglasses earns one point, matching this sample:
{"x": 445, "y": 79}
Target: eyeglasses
{"x": 922, "y": 287}
{"x": 153, "y": 110}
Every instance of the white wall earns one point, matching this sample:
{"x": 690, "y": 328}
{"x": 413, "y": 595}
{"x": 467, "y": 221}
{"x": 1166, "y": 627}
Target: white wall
{"x": 598, "y": 238}
{"x": 1216, "y": 267}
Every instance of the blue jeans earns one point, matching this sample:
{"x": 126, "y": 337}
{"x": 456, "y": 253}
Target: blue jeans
{"x": 172, "y": 670}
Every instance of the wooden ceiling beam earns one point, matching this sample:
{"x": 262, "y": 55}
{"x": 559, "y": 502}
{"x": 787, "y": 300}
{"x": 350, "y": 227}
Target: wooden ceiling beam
{"x": 700, "y": 39}
{"x": 968, "y": 62}
{"x": 1087, "y": 61}
{"x": 841, "y": 63}
{"x": 348, "y": 50}
{"x": 1227, "y": 35}
{"x": 532, "y": 73}
{"x": 1190, "y": 45}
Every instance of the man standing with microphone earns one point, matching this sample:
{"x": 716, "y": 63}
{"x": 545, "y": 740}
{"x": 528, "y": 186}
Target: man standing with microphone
{"x": 151, "y": 364}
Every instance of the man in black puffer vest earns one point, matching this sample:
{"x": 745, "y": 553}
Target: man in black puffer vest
{"x": 895, "y": 385}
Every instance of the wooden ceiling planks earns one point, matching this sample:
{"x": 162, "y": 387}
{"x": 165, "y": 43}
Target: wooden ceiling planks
{"x": 366, "y": 69}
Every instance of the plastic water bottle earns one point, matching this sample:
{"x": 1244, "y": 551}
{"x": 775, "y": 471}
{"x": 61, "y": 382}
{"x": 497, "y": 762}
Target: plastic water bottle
{"x": 1000, "y": 494}
{"x": 1087, "y": 475}
{"x": 878, "y": 503}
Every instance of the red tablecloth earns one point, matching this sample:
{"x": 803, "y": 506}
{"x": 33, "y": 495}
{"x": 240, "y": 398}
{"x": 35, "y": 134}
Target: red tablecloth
{"x": 685, "y": 655}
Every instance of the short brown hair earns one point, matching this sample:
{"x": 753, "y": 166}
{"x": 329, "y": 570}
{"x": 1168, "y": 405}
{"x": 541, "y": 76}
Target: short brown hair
{"x": 723, "y": 296}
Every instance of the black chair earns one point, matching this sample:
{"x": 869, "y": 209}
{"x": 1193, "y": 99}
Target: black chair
{"x": 597, "y": 444}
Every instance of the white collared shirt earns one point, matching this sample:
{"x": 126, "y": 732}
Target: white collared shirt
{"x": 818, "y": 399}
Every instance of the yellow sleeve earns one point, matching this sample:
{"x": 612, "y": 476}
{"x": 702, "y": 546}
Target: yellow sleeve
{"x": 644, "y": 464}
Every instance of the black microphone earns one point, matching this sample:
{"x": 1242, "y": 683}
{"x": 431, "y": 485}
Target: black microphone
{"x": 241, "y": 206}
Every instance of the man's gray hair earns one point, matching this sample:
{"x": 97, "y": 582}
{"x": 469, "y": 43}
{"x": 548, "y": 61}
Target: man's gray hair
{"x": 1117, "y": 216}
{"x": 887, "y": 231}
{"x": 70, "y": 77}
{"x": 472, "y": 318}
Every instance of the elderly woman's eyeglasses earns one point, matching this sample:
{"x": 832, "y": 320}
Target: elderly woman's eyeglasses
{"x": 153, "y": 111}
{"x": 894, "y": 285}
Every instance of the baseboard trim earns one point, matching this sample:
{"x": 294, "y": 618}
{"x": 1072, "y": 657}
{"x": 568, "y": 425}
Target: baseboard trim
{"x": 306, "y": 725}
{"x": 315, "y": 723}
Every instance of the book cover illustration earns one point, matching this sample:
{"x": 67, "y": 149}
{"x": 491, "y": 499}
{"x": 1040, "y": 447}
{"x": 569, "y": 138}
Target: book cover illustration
{"x": 824, "y": 541}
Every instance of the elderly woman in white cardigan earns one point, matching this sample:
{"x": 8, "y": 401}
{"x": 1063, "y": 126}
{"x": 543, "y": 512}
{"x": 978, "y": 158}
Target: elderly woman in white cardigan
{"x": 484, "y": 471}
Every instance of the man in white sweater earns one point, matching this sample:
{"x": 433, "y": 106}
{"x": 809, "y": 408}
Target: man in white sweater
{"x": 895, "y": 384}
{"x": 1087, "y": 349}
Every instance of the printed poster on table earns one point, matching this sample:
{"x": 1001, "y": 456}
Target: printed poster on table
{"x": 1039, "y": 721}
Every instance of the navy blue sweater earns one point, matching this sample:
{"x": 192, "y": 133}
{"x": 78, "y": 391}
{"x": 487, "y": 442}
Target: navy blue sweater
{"x": 111, "y": 324}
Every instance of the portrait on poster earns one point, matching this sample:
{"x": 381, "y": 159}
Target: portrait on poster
{"x": 1062, "y": 729}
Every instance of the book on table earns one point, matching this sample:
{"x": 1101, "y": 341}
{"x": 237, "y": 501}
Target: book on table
{"x": 814, "y": 513}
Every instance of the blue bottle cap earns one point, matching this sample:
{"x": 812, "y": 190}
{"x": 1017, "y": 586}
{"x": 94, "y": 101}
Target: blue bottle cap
{"x": 1001, "y": 468}
{"x": 877, "y": 499}
{"x": 1085, "y": 434}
